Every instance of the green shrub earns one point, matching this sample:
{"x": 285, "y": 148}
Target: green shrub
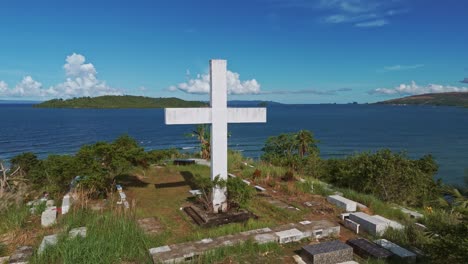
{"x": 14, "y": 217}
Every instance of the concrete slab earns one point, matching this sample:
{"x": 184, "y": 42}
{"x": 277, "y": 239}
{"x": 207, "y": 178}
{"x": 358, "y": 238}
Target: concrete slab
{"x": 396, "y": 249}
{"x": 21, "y": 255}
{"x": 390, "y": 223}
{"x": 265, "y": 238}
{"x": 290, "y": 235}
{"x": 369, "y": 223}
{"x": 157, "y": 250}
{"x": 352, "y": 225}
{"x": 346, "y": 204}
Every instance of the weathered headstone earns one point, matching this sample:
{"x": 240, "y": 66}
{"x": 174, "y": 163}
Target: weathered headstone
{"x": 47, "y": 241}
{"x": 78, "y": 232}
{"x": 50, "y": 203}
{"x": 346, "y": 204}
{"x": 49, "y": 216}
{"x": 219, "y": 115}
{"x": 265, "y": 238}
{"x": 66, "y": 203}
{"x": 327, "y": 252}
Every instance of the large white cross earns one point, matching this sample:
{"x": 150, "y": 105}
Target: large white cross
{"x": 219, "y": 115}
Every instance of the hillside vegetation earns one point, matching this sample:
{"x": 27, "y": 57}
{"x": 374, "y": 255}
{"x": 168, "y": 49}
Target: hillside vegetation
{"x": 439, "y": 99}
{"x": 114, "y": 101}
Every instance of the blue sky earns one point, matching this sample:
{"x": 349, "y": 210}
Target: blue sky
{"x": 292, "y": 51}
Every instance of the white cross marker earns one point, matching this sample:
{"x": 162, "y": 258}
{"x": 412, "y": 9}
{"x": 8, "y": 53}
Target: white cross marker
{"x": 219, "y": 115}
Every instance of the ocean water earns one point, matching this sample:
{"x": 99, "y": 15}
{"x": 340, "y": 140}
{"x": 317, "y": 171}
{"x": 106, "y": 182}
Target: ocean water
{"x": 341, "y": 129}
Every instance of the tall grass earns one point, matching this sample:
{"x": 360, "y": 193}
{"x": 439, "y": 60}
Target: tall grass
{"x": 111, "y": 238}
{"x": 13, "y": 218}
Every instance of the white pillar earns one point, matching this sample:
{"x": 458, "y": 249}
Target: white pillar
{"x": 219, "y": 131}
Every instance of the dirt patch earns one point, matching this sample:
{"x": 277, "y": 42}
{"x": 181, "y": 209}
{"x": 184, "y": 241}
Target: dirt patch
{"x": 150, "y": 225}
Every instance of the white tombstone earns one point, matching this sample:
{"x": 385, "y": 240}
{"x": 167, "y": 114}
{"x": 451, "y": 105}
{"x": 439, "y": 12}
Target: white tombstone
{"x": 66, "y": 203}
{"x": 369, "y": 223}
{"x": 218, "y": 115}
{"x": 49, "y": 216}
{"x": 78, "y": 232}
{"x": 390, "y": 223}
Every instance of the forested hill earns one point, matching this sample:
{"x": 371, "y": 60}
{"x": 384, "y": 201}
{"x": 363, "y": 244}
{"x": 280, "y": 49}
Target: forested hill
{"x": 439, "y": 99}
{"x": 124, "y": 101}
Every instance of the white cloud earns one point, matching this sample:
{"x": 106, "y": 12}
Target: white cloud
{"x": 373, "y": 23}
{"x": 3, "y": 87}
{"x": 414, "y": 89}
{"x": 201, "y": 85}
{"x": 402, "y": 67}
{"x": 80, "y": 81}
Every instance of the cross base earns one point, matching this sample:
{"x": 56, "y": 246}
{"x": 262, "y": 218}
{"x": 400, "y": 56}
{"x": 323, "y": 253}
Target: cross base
{"x": 219, "y": 198}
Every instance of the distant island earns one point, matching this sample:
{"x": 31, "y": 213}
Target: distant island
{"x": 439, "y": 99}
{"x": 117, "y": 101}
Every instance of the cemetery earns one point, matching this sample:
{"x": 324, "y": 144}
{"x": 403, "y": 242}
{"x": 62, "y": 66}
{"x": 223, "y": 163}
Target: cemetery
{"x": 178, "y": 208}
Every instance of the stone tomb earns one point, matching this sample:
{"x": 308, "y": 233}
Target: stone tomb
{"x": 327, "y": 253}
{"x": 365, "y": 249}
{"x": 290, "y": 235}
{"x": 352, "y": 225}
{"x": 340, "y": 201}
{"x": 187, "y": 251}
{"x": 401, "y": 253}
{"x": 368, "y": 223}
{"x": 389, "y": 223}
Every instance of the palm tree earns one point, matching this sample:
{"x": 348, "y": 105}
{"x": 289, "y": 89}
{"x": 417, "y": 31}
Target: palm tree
{"x": 305, "y": 142}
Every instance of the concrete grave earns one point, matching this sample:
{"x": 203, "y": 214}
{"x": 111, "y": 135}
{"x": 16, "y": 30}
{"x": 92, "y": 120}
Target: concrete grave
{"x": 412, "y": 214}
{"x": 420, "y": 227}
{"x": 344, "y": 216}
{"x": 346, "y": 204}
{"x": 47, "y": 241}
{"x": 400, "y": 252}
{"x": 327, "y": 253}
{"x": 79, "y": 231}
{"x": 352, "y": 225}
{"x": 369, "y": 223}
{"x": 390, "y": 223}
{"x": 159, "y": 250}
{"x": 21, "y": 255}
{"x": 290, "y": 235}
{"x": 49, "y": 216}
{"x": 364, "y": 248}
{"x": 265, "y": 238}
{"x": 218, "y": 115}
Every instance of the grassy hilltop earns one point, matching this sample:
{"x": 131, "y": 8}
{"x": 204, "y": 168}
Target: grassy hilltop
{"x": 115, "y": 101}
{"x": 439, "y": 99}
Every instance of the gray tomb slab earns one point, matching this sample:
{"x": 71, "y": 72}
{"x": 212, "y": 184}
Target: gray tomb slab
{"x": 327, "y": 252}
{"x": 159, "y": 250}
{"x": 352, "y": 225}
{"x": 21, "y": 255}
{"x": 47, "y": 241}
{"x": 396, "y": 249}
{"x": 265, "y": 238}
{"x": 368, "y": 223}
{"x": 290, "y": 235}
{"x": 79, "y": 231}
{"x": 49, "y": 216}
{"x": 340, "y": 201}
{"x": 390, "y": 223}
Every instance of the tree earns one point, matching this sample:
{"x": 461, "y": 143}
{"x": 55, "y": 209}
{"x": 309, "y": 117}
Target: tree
{"x": 289, "y": 149}
{"x": 305, "y": 142}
